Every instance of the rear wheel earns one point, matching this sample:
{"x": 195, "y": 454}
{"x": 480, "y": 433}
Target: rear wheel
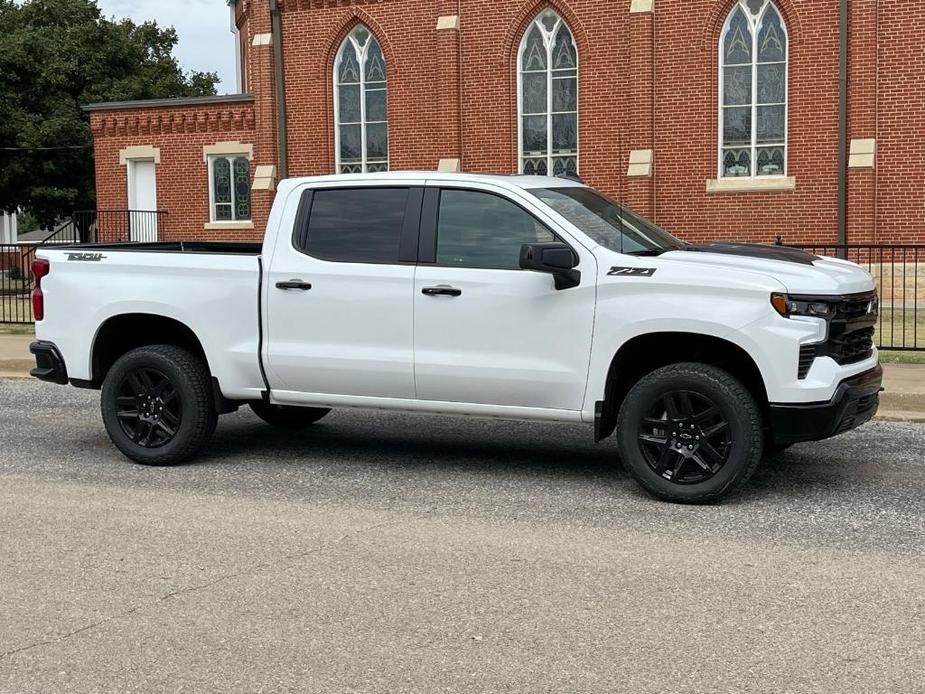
{"x": 157, "y": 405}
{"x": 286, "y": 417}
{"x": 690, "y": 433}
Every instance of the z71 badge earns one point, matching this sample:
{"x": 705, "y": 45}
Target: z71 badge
{"x": 90, "y": 257}
{"x": 632, "y": 271}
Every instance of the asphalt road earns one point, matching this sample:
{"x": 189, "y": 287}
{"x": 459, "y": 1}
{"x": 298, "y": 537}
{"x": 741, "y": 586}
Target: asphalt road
{"x": 393, "y": 553}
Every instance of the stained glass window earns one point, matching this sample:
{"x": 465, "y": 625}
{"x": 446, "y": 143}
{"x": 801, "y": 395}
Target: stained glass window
{"x": 548, "y": 98}
{"x": 230, "y": 188}
{"x": 753, "y": 85}
{"x": 361, "y": 122}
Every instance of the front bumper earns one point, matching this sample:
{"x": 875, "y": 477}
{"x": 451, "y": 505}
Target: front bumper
{"x": 855, "y": 402}
{"x": 49, "y": 364}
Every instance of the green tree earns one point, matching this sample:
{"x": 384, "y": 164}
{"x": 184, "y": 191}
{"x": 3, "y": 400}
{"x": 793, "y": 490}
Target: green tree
{"x": 56, "y": 56}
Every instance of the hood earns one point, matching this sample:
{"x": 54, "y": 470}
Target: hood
{"x": 798, "y": 271}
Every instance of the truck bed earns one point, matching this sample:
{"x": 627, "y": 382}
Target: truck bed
{"x": 211, "y": 288}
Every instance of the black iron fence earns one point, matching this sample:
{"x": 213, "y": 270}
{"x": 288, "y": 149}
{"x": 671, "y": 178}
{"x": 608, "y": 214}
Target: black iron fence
{"x": 899, "y": 271}
{"x": 120, "y": 225}
{"x": 15, "y": 284}
{"x": 83, "y": 227}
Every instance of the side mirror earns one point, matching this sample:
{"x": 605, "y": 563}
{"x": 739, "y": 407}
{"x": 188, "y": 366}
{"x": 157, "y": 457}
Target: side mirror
{"x": 555, "y": 258}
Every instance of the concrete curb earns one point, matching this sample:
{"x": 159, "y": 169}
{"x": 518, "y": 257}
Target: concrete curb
{"x": 16, "y": 365}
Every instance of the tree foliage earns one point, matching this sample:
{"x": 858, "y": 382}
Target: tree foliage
{"x": 56, "y": 56}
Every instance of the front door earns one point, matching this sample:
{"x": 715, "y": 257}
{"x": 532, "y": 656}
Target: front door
{"x": 142, "y": 200}
{"x": 339, "y": 296}
{"x": 486, "y": 331}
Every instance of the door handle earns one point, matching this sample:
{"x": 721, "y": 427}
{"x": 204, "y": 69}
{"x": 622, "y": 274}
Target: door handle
{"x": 442, "y": 290}
{"x": 294, "y": 284}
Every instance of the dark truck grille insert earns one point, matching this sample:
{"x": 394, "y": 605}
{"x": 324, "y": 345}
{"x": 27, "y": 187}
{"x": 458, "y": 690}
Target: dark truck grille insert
{"x": 852, "y": 347}
{"x": 851, "y": 334}
{"x": 807, "y": 357}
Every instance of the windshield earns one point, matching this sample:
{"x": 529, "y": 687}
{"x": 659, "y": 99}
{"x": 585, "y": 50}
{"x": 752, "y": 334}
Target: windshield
{"x": 608, "y": 223}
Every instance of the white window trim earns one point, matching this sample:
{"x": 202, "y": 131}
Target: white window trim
{"x": 234, "y": 222}
{"x": 361, "y": 58}
{"x": 548, "y": 40}
{"x": 756, "y": 24}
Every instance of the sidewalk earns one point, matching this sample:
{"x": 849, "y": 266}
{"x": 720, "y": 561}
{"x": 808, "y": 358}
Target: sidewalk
{"x": 15, "y": 360}
{"x": 903, "y": 400}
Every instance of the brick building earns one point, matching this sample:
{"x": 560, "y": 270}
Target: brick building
{"x": 715, "y": 118}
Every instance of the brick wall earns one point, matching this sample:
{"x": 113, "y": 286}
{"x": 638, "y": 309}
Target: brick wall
{"x": 647, "y": 81}
{"x": 182, "y": 174}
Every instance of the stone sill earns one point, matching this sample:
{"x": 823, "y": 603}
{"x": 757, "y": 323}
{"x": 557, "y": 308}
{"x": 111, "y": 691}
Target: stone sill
{"x": 766, "y": 184}
{"x": 218, "y": 226}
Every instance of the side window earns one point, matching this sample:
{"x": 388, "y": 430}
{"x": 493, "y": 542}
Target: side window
{"x": 357, "y": 225}
{"x": 481, "y": 230}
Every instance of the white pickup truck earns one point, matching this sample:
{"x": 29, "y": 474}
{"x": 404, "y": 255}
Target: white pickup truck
{"x": 495, "y": 296}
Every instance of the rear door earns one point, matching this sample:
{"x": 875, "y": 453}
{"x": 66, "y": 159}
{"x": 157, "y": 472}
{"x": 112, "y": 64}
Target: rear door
{"x": 340, "y": 298}
{"x": 486, "y": 331}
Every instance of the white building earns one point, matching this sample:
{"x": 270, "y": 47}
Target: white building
{"x": 7, "y": 228}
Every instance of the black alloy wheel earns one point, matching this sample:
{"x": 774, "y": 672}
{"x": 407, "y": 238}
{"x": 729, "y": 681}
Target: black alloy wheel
{"x": 158, "y": 404}
{"x": 690, "y": 433}
{"x": 149, "y": 407}
{"x": 684, "y": 437}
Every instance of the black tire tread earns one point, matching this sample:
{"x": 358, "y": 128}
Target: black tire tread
{"x": 724, "y": 381}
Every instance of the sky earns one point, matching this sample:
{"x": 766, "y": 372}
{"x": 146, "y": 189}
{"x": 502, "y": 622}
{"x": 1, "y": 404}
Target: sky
{"x": 206, "y": 42}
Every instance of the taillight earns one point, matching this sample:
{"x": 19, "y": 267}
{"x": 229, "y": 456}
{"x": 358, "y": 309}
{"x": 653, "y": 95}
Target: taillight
{"x": 40, "y": 268}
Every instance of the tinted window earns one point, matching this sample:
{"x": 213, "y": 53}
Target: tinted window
{"x": 484, "y": 231}
{"x": 362, "y": 225}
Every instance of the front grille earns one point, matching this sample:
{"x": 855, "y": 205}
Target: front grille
{"x": 857, "y": 306}
{"x": 851, "y": 333}
{"x": 853, "y": 346}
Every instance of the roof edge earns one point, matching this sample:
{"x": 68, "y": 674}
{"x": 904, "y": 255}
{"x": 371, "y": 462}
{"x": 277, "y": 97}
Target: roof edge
{"x": 166, "y": 103}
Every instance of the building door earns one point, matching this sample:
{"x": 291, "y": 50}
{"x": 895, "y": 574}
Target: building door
{"x": 142, "y": 200}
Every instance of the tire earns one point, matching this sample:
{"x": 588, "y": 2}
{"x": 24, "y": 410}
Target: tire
{"x": 157, "y": 405}
{"x": 690, "y": 433}
{"x": 285, "y": 417}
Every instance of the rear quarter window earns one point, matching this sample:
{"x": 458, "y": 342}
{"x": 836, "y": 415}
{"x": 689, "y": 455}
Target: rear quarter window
{"x": 357, "y": 225}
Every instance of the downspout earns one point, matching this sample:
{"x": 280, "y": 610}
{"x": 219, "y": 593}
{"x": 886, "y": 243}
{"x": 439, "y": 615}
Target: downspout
{"x": 843, "y": 122}
{"x": 281, "y": 132}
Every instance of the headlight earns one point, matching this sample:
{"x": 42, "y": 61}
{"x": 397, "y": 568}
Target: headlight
{"x": 788, "y": 306}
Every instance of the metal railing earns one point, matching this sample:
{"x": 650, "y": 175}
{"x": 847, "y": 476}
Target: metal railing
{"x": 899, "y": 271}
{"x": 83, "y": 227}
{"x": 15, "y": 283}
{"x": 120, "y": 225}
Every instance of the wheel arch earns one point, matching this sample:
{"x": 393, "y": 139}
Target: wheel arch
{"x": 644, "y": 353}
{"x": 122, "y": 333}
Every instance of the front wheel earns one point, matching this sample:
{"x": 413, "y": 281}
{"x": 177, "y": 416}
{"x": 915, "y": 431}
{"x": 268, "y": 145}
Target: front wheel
{"x": 690, "y": 433}
{"x": 286, "y": 417}
{"x": 157, "y": 405}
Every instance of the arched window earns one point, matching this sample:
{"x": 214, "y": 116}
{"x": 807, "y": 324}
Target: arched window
{"x": 547, "y": 97}
{"x": 753, "y": 91}
{"x": 361, "y": 123}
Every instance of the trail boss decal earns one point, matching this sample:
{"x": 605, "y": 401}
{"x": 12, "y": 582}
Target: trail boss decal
{"x": 89, "y": 257}
{"x": 632, "y": 271}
